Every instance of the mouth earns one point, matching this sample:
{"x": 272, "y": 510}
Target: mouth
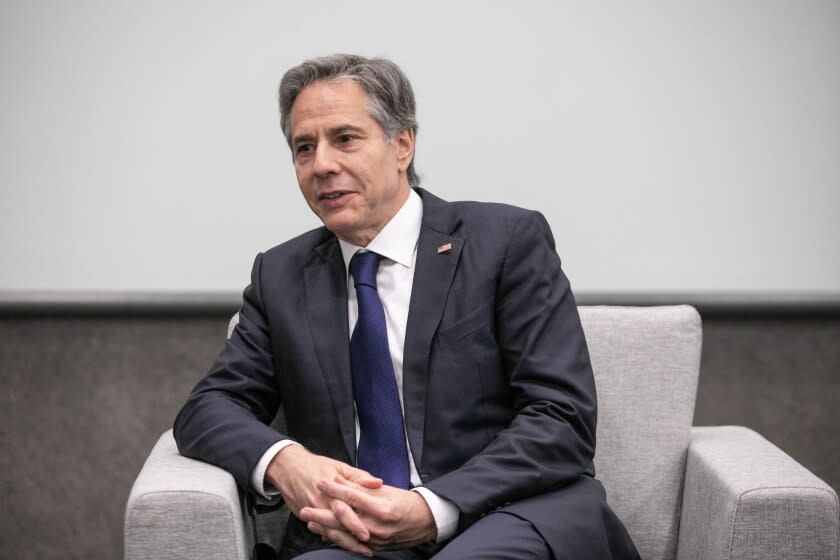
{"x": 334, "y": 197}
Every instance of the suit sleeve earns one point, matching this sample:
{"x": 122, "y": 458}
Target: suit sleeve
{"x": 551, "y": 439}
{"x": 225, "y": 419}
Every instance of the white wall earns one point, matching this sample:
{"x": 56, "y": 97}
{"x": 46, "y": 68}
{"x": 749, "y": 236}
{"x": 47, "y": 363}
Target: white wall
{"x": 673, "y": 146}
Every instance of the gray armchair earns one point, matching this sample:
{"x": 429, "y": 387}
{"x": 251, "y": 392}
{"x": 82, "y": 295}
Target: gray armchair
{"x": 683, "y": 492}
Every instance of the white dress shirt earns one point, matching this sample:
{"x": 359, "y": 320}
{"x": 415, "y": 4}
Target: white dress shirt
{"x": 397, "y": 243}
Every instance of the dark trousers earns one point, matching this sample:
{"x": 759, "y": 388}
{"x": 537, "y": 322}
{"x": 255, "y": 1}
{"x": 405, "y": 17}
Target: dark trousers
{"x": 512, "y": 538}
{"x": 575, "y": 524}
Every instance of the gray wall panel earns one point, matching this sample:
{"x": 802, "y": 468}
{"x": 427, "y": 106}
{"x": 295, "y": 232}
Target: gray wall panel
{"x": 83, "y": 402}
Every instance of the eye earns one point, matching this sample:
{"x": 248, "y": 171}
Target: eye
{"x": 303, "y": 148}
{"x": 346, "y": 138}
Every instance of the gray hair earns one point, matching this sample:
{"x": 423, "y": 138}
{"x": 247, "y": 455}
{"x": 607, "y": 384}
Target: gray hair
{"x": 390, "y": 99}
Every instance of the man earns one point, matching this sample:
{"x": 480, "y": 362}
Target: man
{"x": 428, "y": 355}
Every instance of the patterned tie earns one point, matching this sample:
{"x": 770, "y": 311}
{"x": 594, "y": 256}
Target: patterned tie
{"x": 382, "y": 448}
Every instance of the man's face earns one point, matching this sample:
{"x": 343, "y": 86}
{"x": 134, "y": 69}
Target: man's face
{"x": 350, "y": 177}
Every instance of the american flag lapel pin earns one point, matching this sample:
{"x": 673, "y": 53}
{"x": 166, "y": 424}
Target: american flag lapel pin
{"x": 445, "y": 248}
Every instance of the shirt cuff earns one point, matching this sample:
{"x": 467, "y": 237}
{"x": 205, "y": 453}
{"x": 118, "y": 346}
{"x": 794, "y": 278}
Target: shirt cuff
{"x": 258, "y": 474}
{"x": 444, "y": 512}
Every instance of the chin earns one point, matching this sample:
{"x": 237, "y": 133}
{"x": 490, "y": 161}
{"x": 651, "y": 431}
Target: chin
{"x": 343, "y": 217}
{"x": 341, "y": 227}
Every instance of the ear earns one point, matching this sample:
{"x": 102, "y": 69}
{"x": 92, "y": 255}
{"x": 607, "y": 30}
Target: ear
{"x": 405, "y": 148}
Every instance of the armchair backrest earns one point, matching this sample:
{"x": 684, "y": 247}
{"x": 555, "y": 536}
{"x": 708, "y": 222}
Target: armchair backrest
{"x": 646, "y": 362}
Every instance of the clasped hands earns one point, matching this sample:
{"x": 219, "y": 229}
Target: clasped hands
{"x": 348, "y": 506}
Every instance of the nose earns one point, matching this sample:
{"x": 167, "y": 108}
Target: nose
{"x": 326, "y": 160}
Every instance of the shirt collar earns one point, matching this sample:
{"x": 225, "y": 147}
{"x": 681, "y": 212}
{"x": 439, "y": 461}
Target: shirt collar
{"x": 398, "y": 239}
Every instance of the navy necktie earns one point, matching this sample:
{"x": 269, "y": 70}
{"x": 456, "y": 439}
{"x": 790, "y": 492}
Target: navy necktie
{"x": 382, "y": 448}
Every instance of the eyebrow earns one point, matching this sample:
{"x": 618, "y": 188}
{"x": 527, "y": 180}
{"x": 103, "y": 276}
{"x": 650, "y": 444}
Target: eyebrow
{"x": 335, "y": 131}
{"x": 301, "y": 138}
{"x": 344, "y": 128}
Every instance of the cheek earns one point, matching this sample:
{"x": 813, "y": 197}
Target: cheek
{"x": 303, "y": 182}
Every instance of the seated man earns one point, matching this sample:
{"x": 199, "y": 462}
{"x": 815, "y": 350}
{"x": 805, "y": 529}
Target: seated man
{"x": 428, "y": 355}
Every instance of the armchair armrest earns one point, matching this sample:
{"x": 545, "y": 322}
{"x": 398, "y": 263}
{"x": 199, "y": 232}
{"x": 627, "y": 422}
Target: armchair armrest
{"x": 745, "y": 498}
{"x": 183, "y": 508}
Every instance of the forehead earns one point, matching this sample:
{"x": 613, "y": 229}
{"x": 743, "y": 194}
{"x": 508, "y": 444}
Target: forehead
{"x": 329, "y": 103}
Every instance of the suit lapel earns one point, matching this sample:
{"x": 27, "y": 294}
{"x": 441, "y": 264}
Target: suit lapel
{"x": 326, "y": 304}
{"x": 433, "y": 274}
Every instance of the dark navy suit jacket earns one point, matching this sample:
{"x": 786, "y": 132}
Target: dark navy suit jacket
{"x": 498, "y": 390}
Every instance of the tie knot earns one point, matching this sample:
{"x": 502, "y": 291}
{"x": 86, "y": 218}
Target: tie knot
{"x": 363, "y": 267}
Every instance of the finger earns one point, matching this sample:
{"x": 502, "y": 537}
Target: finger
{"x": 340, "y": 516}
{"x": 356, "y": 499}
{"x": 360, "y": 477}
{"x": 324, "y": 517}
{"x": 371, "y": 483}
{"x": 349, "y": 520}
{"x": 341, "y": 538}
{"x": 318, "y": 530}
